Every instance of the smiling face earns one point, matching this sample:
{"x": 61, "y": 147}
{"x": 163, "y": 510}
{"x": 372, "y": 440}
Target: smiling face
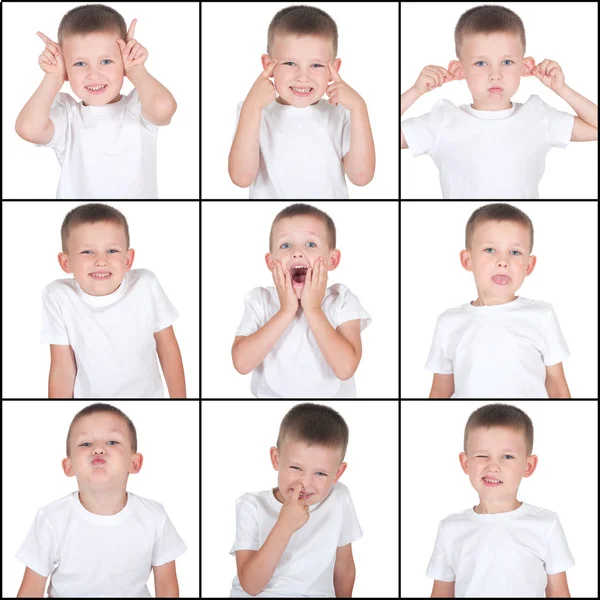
{"x": 299, "y": 241}
{"x": 97, "y": 256}
{"x": 302, "y": 63}
{"x": 91, "y": 61}
{"x": 499, "y": 259}
{"x": 495, "y": 59}
{"x": 315, "y": 467}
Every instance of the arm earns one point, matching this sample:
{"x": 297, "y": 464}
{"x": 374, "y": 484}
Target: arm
{"x": 344, "y": 572}
{"x": 158, "y": 104}
{"x": 165, "y": 581}
{"x": 33, "y": 585}
{"x": 586, "y": 110}
{"x": 359, "y": 162}
{"x": 170, "y": 361}
{"x": 63, "y": 370}
{"x": 337, "y": 350}
{"x": 257, "y": 572}
{"x": 408, "y": 99}
{"x": 557, "y": 586}
{"x": 243, "y": 156}
{"x": 442, "y": 386}
{"x": 442, "y": 589}
{"x": 556, "y": 383}
{"x": 35, "y": 115}
{"x": 250, "y": 351}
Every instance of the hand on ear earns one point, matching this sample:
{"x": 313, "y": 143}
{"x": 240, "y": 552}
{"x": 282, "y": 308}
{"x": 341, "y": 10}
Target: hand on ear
{"x": 528, "y": 66}
{"x": 455, "y": 67}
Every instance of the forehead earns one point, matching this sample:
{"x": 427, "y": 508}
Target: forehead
{"x": 496, "y": 438}
{"x": 310, "y": 456}
{"x": 506, "y": 232}
{"x": 93, "y": 44}
{"x": 302, "y": 47}
{"x": 103, "y": 232}
{"x": 493, "y": 45}
{"x": 99, "y": 423}
{"x": 301, "y": 225}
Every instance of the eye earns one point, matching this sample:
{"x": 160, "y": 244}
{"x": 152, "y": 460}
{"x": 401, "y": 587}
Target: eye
{"x": 507, "y": 60}
{"x": 313, "y": 65}
{"x": 86, "y": 251}
{"x": 486, "y": 251}
{"x": 509, "y": 456}
{"x": 86, "y": 443}
{"x": 81, "y": 62}
{"x": 318, "y": 472}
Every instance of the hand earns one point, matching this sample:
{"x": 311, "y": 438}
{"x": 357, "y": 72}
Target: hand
{"x": 340, "y": 92}
{"x": 294, "y": 513}
{"x": 288, "y": 300}
{"x": 262, "y": 93}
{"x": 132, "y": 52}
{"x": 432, "y": 77}
{"x": 550, "y": 74}
{"x": 315, "y": 285}
{"x": 51, "y": 60}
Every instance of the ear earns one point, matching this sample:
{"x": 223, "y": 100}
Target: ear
{"x": 465, "y": 260}
{"x": 337, "y": 63}
{"x": 455, "y": 67}
{"x": 528, "y": 65}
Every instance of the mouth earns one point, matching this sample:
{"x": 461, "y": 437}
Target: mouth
{"x": 98, "y": 461}
{"x": 303, "y": 496}
{"x": 490, "y": 482}
{"x": 496, "y": 89}
{"x": 95, "y": 90}
{"x": 501, "y": 279}
{"x": 302, "y": 92}
{"x": 100, "y": 276}
{"x": 298, "y": 275}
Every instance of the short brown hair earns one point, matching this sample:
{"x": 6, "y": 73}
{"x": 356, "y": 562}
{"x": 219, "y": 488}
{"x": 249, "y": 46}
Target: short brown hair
{"x": 314, "y": 424}
{"x": 303, "y": 20}
{"x": 100, "y": 407}
{"x": 295, "y": 210}
{"x": 497, "y": 212}
{"x": 488, "y": 19}
{"x": 501, "y": 415}
{"x": 91, "y": 18}
{"x": 91, "y": 213}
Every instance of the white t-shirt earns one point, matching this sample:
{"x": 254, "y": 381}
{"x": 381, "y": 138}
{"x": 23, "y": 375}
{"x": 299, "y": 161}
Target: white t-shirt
{"x": 112, "y": 336}
{"x": 301, "y": 151}
{"x": 306, "y": 566}
{"x": 498, "y": 351}
{"x": 95, "y": 556}
{"x": 105, "y": 152}
{"x": 504, "y": 555}
{"x": 296, "y": 367}
{"x": 484, "y": 154}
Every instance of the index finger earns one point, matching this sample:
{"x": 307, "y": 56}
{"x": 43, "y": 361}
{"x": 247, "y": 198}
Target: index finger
{"x": 334, "y": 73}
{"x": 45, "y": 39}
{"x": 131, "y": 32}
{"x": 268, "y": 72}
{"x": 296, "y": 490}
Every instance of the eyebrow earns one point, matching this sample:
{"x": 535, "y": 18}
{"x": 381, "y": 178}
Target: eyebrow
{"x": 109, "y": 431}
{"x": 309, "y": 58}
{"x": 294, "y": 463}
{"x": 309, "y": 233}
{"x": 493, "y": 242}
{"x": 101, "y": 56}
{"x": 109, "y": 244}
{"x": 505, "y": 450}
{"x": 505, "y": 55}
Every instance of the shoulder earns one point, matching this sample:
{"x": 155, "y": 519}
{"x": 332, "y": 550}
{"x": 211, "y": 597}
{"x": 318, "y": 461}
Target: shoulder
{"x": 56, "y": 511}
{"x": 146, "y": 504}
{"x": 63, "y": 99}
{"x": 143, "y": 276}
{"x": 545, "y": 309}
{"x": 59, "y": 286}
{"x": 259, "y": 295}
{"x": 542, "y": 515}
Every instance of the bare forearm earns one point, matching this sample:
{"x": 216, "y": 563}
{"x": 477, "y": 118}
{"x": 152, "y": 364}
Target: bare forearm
{"x": 360, "y": 160}
{"x": 408, "y": 99}
{"x": 343, "y": 584}
{"x": 244, "y": 153}
{"x": 152, "y": 93}
{"x": 172, "y": 366}
{"x": 558, "y": 390}
{"x": 586, "y": 110}
{"x": 253, "y": 349}
{"x": 167, "y": 591}
{"x": 36, "y": 113}
{"x": 61, "y": 385}
{"x": 337, "y": 351}
{"x": 258, "y": 571}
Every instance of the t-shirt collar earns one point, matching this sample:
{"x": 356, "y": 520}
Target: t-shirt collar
{"x": 498, "y": 308}
{"x": 97, "y": 301}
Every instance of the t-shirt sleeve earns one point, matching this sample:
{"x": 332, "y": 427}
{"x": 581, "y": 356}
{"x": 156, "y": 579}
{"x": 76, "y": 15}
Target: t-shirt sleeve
{"x": 421, "y": 133}
{"x": 39, "y": 547}
{"x": 167, "y": 545}
{"x": 246, "y": 525}
{"x": 59, "y": 115}
{"x": 440, "y": 567}
{"x": 54, "y": 327}
{"x": 554, "y": 347}
{"x": 351, "y": 530}
{"x": 438, "y": 361}
{"x": 237, "y": 119}
{"x": 559, "y": 125}
{"x": 348, "y": 308}
{"x": 254, "y": 312}
{"x": 164, "y": 312}
{"x": 558, "y": 555}
{"x": 346, "y": 133}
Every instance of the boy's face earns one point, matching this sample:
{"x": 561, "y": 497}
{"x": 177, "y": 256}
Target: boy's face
{"x": 316, "y": 468}
{"x": 302, "y": 63}
{"x": 101, "y": 436}
{"x": 300, "y": 241}
{"x": 95, "y": 249}
{"x": 499, "y": 258}
{"x": 92, "y": 60}
{"x": 497, "y": 453}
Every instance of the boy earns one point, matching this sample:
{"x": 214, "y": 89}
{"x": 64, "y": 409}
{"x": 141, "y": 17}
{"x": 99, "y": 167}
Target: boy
{"x": 494, "y": 148}
{"x": 502, "y": 548}
{"x": 106, "y": 325}
{"x": 500, "y": 345}
{"x": 102, "y": 540}
{"x": 298, "y": 146}
{"x": 300, "y": 338}
{"x": 295, "y": 540}
{"x": 106, "y": 146}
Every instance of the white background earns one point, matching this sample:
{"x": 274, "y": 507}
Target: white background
{"x": 235, "y": 460}
{"x": 34, "y": 435}
{"x": 164, "y": 236}
{"x": 368, "y": 47}
{"x": 169, "y": 31}
{"x": 566, "y": 32}
{"x": 565, "y": 275}
{"x": 235, "y": 240}
{"x": 433, "y": 485}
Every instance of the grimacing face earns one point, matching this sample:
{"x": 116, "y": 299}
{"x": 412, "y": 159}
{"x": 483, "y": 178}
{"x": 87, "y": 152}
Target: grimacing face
{"x": 97, "y": 248}
{"x": 302, "y": 63}
{"x": 316, "y": 468}
{"x": 105, "y": 436}
{"x": 92, "y": 60}
{"x": 300, "y": 241}
{"x": 499, "y": 248}
{"x": 497, "y": 453}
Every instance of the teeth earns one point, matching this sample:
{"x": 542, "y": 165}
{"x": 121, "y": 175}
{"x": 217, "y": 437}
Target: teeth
{"x": 100, "y": 276}
{"x": 301, "y": 91}
{"x": 299, "y": 267}
{"x": 96, "y": 88}
{"x": 492, "y": 480}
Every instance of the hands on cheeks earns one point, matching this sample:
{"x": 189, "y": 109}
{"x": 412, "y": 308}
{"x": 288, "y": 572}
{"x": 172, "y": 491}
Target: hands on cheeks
{"x": 550, "y": 73}
{"x": 133, "y": 53}
{"x": 340, "y": 92}
{"x": 315, "y": 285}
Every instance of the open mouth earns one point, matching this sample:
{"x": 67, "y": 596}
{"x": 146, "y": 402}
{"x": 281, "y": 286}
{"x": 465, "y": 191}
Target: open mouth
{"x": 96, "y": 89}
{"x": 490, "y": 482}
{"x": 100, "y": 276}
{"x": 302, "y": 92}
{"x": 298, "y": 275}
